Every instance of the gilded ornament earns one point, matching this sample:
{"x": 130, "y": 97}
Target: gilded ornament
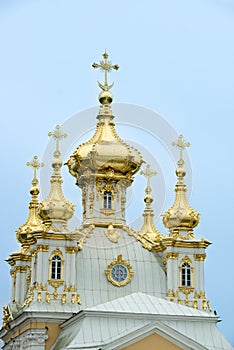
{"x": 71, "y": 250}
{"x": 42, "y": 248}
{"x": 170, "y": 255}
{"x": 181, "y": 219}
{"x": 200, "y": 257}
{"x": 119, "y": 282}
{"x": 56, "y": 210}
{"x": 112, "y": 234}
{"x": 6, "y": 318}
{"x": 64, "y": 298}
{"x": 39, "y": 298}
{"x": 47, "y": 297}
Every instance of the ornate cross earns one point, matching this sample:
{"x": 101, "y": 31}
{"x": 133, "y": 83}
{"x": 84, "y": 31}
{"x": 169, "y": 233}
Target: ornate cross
{"x": 57, "y": 135}
{"x": 35, "y": 165}
{"x": 105, "y": 66}
{"x": 181, "y": 144}
{"x": 148, "y": 173}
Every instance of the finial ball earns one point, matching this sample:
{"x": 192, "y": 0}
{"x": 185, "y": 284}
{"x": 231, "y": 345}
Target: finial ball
{"x": 180, "y": 172}
{"x": 105, "y": 97}
{"x": 34, "y": 190}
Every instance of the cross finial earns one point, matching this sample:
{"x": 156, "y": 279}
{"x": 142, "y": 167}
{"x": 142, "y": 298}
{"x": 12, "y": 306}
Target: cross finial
{"x": 105, "y": 66}
{"x": 181, "y": 144}
{"x": 35, "y": 164}
{"x": 148, "y": 173}
{"x": 57, "y": 135}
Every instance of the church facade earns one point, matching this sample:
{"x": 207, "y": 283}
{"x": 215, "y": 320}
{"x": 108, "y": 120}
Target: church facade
{"x": 105, "y": 285}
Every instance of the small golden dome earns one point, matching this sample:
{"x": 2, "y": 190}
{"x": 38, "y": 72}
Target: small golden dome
{"x": 56, "y": 210}
{"x": 181, "y": 216}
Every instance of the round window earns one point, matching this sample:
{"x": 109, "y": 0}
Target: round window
{"x": 119, "y": 273}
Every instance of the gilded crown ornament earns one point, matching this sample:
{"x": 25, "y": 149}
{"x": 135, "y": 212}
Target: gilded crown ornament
{"x": 105, "y": 97}
{"x": 181, "y": 219}
{"x": 56, "y": 210}
{"x": 33, "y": 225}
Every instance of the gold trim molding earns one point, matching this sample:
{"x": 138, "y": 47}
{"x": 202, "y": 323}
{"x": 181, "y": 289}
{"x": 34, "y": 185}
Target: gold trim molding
{"x": 199, "y": 257}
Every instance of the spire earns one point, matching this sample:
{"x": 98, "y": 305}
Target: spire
{"x": 148, "y": 230}
{"x": 105, "y": 97}
{"x": 181, "y": 219}
{"x": 33, "y": 224}
{"x": 55, "y": 209}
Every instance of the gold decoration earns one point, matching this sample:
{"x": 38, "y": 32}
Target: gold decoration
{"x": 112, "y": 234}
{"x": 33, "y": 223}
{"x": 55, "y": 210}
{"x": 195, "y": 304}
{"x": 71, "y": 250}
{"x": 82, "y": 240}
{"x": 172, "y": 293}
{"x": 6, "y": 318}
{"x": 42, "y": 248}
{"x": 170, "y": 255}
{"x": 204, "y": 305}
{"x": 70, "y": 288}
{"x": 105, "y": 65}
{"x": 29, "y": 298}
{"x": 127, "y": 265}
{"x": 73, "y": 298}
{"x": 64, "y": 298}
{"x": 39, "y": 298}
{"x": 181, "y": 219}
{"x": 105, "y": 159}
{"x": 47, "y": 297}
{"x": 200, "y": 257}
{"x": 148, "y": 232}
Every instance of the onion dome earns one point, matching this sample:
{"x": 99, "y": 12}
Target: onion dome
{"x": 26, "y": 232}
{"x": 56, "y": 210}
{"x": 181, "y": 217}
{"x": 148, "y": 230}
{"x": 105, "y": 151}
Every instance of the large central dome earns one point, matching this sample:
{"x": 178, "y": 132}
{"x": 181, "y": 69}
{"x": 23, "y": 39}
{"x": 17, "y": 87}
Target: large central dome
{"x": 105, "y": 151}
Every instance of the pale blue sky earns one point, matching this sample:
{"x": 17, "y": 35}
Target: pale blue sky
{"x": 176, "y": 58}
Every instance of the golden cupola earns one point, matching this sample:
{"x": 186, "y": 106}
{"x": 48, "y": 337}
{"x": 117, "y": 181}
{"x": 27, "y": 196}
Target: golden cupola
{"x": 181, "y": 219}
{"x": 26, "y": 233}
{"x": 56, "y": 210}
{"x": 148, "y": 230}
{"x": 104, "y": 166}
{"x": 105, "y": 152}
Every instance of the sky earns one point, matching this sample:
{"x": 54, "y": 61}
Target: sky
{"x": 176, "y": 59}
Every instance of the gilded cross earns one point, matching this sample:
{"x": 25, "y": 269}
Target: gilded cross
{"x": 148, "y": 173}
{"x": 181, "y": 144}
{"x": 57, "y": 135}
{"x": 35, "y": 164}
{"x": 105, "y": 66}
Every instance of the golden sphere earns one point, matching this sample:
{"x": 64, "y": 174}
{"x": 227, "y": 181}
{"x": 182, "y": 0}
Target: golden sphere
{"x": 34, "y": 190}
{"x": 180, "y": 172}
{"x": 105, "y": 97}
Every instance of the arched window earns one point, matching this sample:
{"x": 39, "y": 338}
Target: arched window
{"x": 56, "y": 267}
{"x": 186, "y": 275}
{"x": 107, "y": 200}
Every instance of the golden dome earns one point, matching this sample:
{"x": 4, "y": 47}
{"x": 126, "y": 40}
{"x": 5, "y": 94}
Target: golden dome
{"x": 56, "y": 210}
{"x": 26, "y": 232}
{"x": 181, "y": 217}
{"x": 105, "y": 151}
{"x": 148, "y": 231}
